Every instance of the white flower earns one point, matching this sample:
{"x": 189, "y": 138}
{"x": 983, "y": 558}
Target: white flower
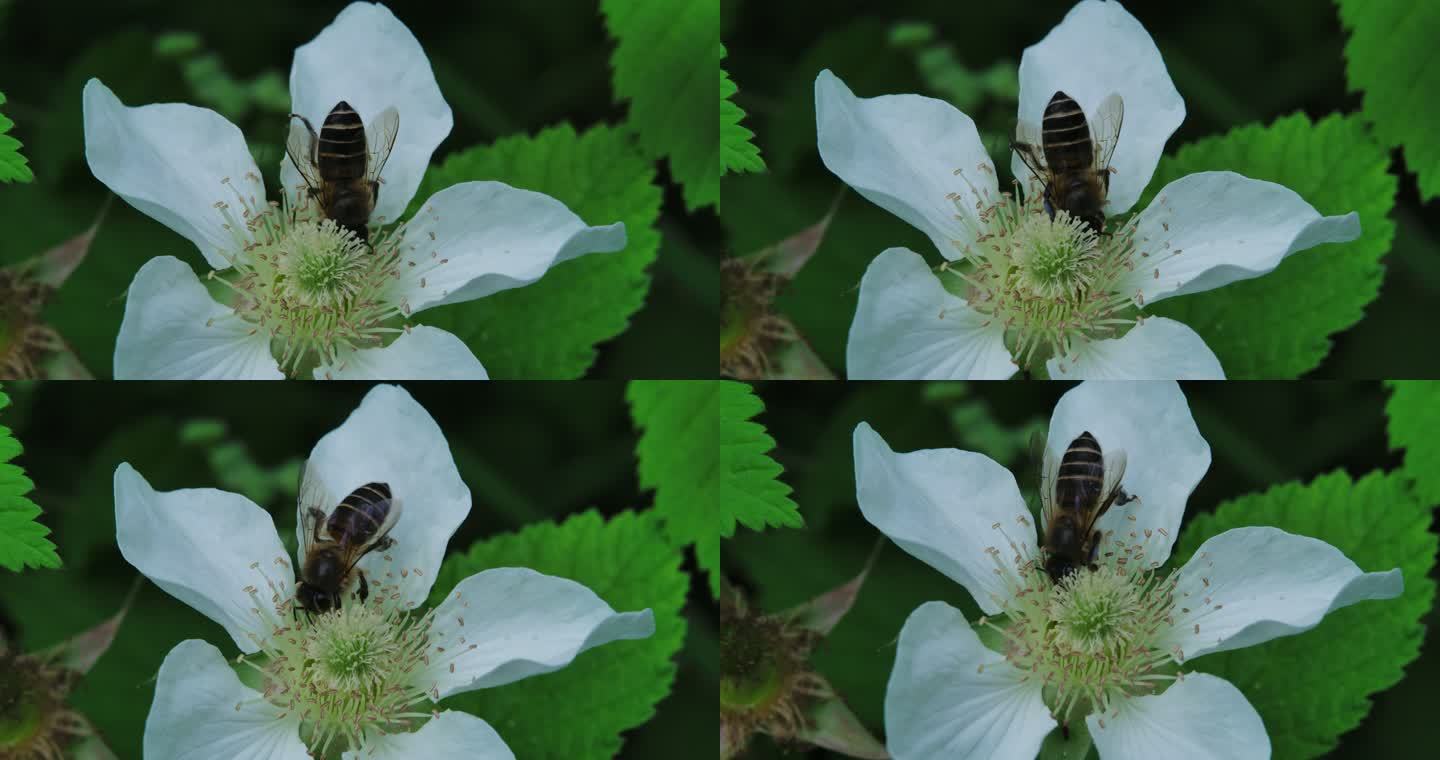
{"x": 369, "y": 670}
{"x": 1035, "y": 288}
{"x": 962, "y": 513}
{"x": 305, "y": 296}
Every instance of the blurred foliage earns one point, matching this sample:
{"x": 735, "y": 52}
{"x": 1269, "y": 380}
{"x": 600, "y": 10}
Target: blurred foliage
{"x": 1261, "y": 434}
{"x": 737, "y": 151}
{"x": 531, "y": 453}
{"x": 23, "y": 541}
{"x": 665, "y": 60}
{"x": 1234, "y": 62}
{"x": 1414, "y": 412}
{"x": 1278, "y": 325}
{"x": 1387, "y": 58}
{"x": 506, "y": 69}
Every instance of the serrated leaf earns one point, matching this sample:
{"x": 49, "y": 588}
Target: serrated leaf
{"x": 1414, "y": 414}
{"x": 13, "y": 166}
{"x": 737, "y": 152}
{"x": 22, "y": 536}
{"x": 1389, "y": 57}
{"x": 1278, "y": 325}
{"x": 665, "y": 59}
{"x": 579, "y": 711}
{"x": 703, "y": 489}
{"x": 549, "y": 330}
{"x": 1311, "y": 688}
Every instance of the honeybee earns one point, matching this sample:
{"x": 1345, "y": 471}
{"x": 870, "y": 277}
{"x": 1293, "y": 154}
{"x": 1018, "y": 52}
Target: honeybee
{"x": 333, "y": 544}
{"x": 342, "y": 165}
{"x": 1073, "y": 164}
{"x": 1075, "y": 492}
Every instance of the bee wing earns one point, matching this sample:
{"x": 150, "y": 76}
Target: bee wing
{"x": 1106, "y": 124}
{"x": 351, "y": 554}
{"x": 310, "y": 495}
{"x": 1049, "y": 469}
{"x": 1109, "y": 488}
{"x": 1029, "y": 145}
{"x": 301, "y": 146}
{"x": 380, "y": 137}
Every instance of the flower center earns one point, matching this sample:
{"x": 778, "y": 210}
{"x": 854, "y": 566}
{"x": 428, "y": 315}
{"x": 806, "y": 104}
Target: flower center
{"x": 1093, "y": 638}
{"x": 314, "y": 287}
{"x": 1049, "y": 279}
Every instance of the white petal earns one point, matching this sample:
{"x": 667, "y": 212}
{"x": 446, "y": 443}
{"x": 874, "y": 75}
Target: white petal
{"x": 1097, "y": 50}
{"x": 1249, "y": 585}
{"x": 1156, "y": 349}
{"x": 174, "y": 330}
{"x": 489, "y": 237}
{"x": 908, "y": 327}
{"x": 391, "y": 439}
{"x": 520, "y": 623}
{"x": 449, "y": 734}
{"x": 199, "y": 544}
{"x": 1213, "y": 228}
{"x": 423, "y": 353}
{"x": 1200, "y": 718}
{"x": 202, "y": 711}
{"x": 169, "y": 160}
{"x": 902, "y": 153}
{"x": 370, "y": 60}
{"x": 1150, "y": 422}
{"x": 943, "y": 506}
{"x": 951, "y": 697}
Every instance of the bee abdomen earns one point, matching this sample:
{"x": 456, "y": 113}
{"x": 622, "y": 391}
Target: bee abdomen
{"x": 342, "y": 145}
{"x": 1066, "y": 134}
{"x": 360, "y": 514}
{"x": 1081, "y": 474}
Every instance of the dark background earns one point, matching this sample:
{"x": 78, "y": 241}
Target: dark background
{"x": 1234, "y": 62}
{"x": 1260, "y": 434}
{"x": 506, "y": 67}
{"x": 528, "y": 452}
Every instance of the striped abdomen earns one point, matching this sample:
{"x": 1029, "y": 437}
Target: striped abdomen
{"x": 1081, "y": 476}
{"x": 342, "y": 145}
{"x": 360, "y": 514}
{"x": 1066, "y": 136}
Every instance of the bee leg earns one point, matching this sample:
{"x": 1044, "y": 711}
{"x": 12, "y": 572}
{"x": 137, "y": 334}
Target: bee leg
{"x": 384, "y": 544}
{"x": 364, "y": 587}
{"x": 1122, "y": 497}
{"x": 1094, "y": 550}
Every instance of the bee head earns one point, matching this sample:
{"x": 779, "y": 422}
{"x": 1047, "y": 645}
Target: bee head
{"x": 314, "y": 599}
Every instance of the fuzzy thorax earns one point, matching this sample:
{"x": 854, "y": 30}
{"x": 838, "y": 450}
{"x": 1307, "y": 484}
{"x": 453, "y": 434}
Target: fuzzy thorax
{"x": 1050, "y": 280}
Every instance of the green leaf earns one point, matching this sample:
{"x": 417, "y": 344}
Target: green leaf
{"x": 701, "y": 489}
{"x": 579, "y": 712}
{"x": 22, "y": 537}
{"x": 1311, "y": 688}
{"x": 549, "y": 330}
{"x": 1390, "y": 57}
{"x": 1414, "y": 412}
{"x": 665, "y": 59}
{"x": 13, "y": 166}
{"x": 1278, "y": 325}
{"x": 737, "y": 153}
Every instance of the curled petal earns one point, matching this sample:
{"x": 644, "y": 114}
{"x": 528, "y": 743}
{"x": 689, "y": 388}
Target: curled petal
{"x": 1201, "y": 717}
{"x": 523, "y": 624}
{"x": 173, "y": 330}
{"x": 947, "y": 508}
{"x": 449, "y": 734}
{"x": 173, "y": 162}
{"x": 906, "y": 154}
{"x": 1249, "y": 585}
{"x": 1156, "y": 349}
{"x": 423, "y": 353}
{"x": 908, "y": 327}
{"x": 1210, "y": 229}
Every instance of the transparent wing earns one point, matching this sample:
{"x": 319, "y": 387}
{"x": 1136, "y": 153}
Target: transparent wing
{"x": 380, "y": 137}
{"x": 300, "y": 146}
{"x": 1049, "y": 469}
{"x": 353, "y": 554}
{"x": 310, "y": 495}
{"x": 1114, "y": 474}
{"x": 1028, "y": 146}
{"x": 1106, "y": 126}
